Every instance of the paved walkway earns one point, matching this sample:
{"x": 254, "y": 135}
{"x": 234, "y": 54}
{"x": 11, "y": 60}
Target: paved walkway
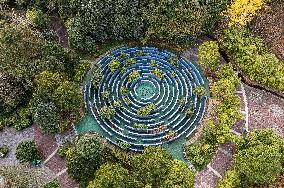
{"x": 223, "y": 158}
{"x": 48, "y": 147}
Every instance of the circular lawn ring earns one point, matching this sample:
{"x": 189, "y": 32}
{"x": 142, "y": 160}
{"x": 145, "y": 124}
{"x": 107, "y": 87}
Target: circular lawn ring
{"x": 171, "y": 90}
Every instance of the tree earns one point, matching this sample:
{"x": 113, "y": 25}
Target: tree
{"x": 259, "y": 157}
{"x": 152, "y": 167}
{"x": 67, "y": 96}
{"x": 13, "y": 92}
{"x": 179, "y": 176}
{"x": 47, "y": 117}
{"x": 84, "y": 158}
{"x": 112, "y": 176}
{"x": 47, "y": 82}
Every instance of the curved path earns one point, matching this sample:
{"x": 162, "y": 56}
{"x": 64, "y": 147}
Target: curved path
{"x": 223, "y": 158}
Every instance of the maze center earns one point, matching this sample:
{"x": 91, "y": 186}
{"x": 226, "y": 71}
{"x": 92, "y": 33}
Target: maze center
{"x": 160, "y": 107}
{"x": 145, "y": 90}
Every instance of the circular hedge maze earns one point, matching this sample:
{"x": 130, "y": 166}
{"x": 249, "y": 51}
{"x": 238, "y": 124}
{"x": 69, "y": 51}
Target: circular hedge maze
{"x": 145, "y": 97}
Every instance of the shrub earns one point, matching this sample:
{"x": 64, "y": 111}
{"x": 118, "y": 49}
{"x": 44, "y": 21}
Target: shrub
{"x": 133, "y": 75}
{"x": 158, "y": 73}
{"x": 114, "y": 65}
{"x": 208, "y": 55}
{"x": 200, "y": 153}
{"x": 152, "y": 167}
{"x": 53, "y": 184}
{"x": 37, "y": 18}
{"x": 253, "y": 58}
{"x": 180, "y": 20}
{"x": 62, "y": 150}
{"x": 97, "y": 76}
{"x": 124, "y": 145}
{"x": 242, "y": 11}
{"x": 84, "y": 158}
{"x": 107, "y": 112}
{"x": 200, "y": 91}
{"x": 93, "y": 22}
{"x": 27, "y": 152}
{"x": 179, "y": 176}
{"x": 124, "y": 90}
{"x": 231, "y": 180}
{"x": 47, "y": 117}
{"x": 146, "y": 110}
{"x": 105, "y": 94}
{"x": 259, "y": 157}
{"x": 81, "y": 70}
{"x": 4, "y": 150}
{"x": 67, "y": 96}
{"x": 117, "y": 104}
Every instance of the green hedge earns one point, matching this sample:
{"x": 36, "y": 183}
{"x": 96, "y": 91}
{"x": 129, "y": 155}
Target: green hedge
{"x": 253, "y": 58}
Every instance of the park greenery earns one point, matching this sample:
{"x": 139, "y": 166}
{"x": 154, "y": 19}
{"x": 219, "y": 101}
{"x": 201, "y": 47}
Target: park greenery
{"x": 42, "y": 83}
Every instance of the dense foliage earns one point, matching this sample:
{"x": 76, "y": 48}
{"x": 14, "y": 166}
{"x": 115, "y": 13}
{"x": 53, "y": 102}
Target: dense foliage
{"x": 242, "y": 11}
{"x": 208, "y": 56}
{"x": 254, "y": 59}
{"x": 154, "y": 168}
{"x": 259, "y": 157}
{"x": 27, "y": 151}
{"x": 35, "y": 74}
{"x": 84, "y": 158}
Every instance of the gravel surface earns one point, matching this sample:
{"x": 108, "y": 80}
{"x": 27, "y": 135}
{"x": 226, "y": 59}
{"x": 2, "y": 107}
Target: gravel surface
{"x": 265, "y": 110}
{"x": 12, "y": 138}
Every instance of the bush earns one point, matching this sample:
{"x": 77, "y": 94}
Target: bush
{"x": 114, "y": 65}
{"x": 62, "y": 150}
{"x": 179, "y": 176}
{"x": 37, "y": 18}
{"x": 231, "y": 180}
{"x": 208, "y": 56}
{"x": 98, "y": 21}
{"x": 200, "y": 153}
{"x": 146, "y": 110}
{"x": 53, "y": 184}
{"x": 133, "y": 75}
{"x": 107, "y": 112}
{"x": 242, "y": 11}
{"x": 97, "y": 76}
{"x": 84, "y": 158}
{"x": 47, "y": 117}
{"x": 158, "y": 73}
{"x": 259, "y": 157}
{"x": 180, "y": 20}
{"x": 27, "y": 152}
{"x": 81, "y": 70}
{"x": 200, "y": 91}
{"x": 4, "y": 150}
{"x": 253, "y": 58}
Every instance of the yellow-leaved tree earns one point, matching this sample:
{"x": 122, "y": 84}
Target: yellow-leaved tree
{"x": 242, "y": 11}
